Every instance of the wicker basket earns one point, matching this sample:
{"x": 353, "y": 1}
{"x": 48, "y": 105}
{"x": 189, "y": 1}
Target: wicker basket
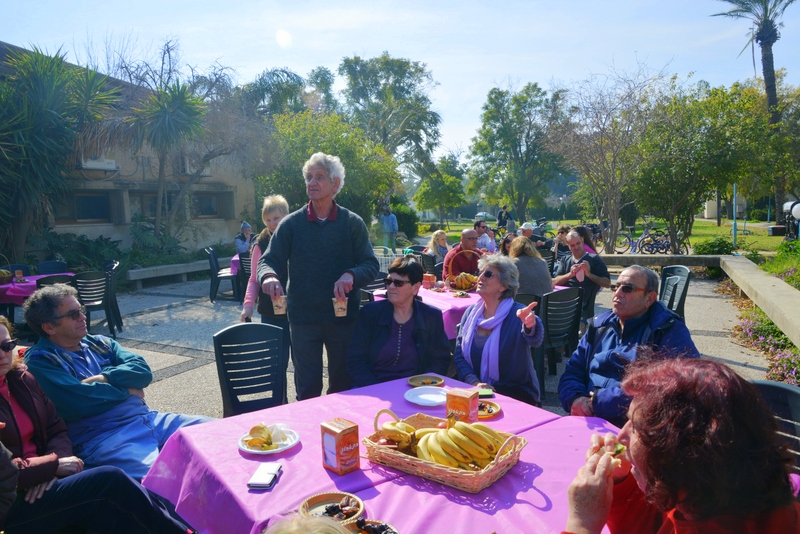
{"x": 469, "y": 481}
{"x": 7, "y": 278}
{"x": 451, "y": 280}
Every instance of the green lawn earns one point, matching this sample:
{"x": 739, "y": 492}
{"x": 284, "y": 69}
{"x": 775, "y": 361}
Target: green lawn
{"x": 757, "y": 238}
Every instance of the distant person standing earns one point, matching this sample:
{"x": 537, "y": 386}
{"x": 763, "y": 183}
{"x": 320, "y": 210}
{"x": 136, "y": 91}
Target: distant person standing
{"x": 323, "y": 250}
{"x": 244, "y": 239}
{"x": 502, "y": 217}
{"x": 388, "y": 222}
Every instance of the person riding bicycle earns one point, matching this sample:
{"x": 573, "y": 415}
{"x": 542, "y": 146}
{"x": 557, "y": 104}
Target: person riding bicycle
{"x": 503, "y": 217}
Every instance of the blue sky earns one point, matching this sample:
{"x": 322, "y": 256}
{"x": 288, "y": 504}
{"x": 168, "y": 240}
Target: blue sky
{"x": 470, "y": 46}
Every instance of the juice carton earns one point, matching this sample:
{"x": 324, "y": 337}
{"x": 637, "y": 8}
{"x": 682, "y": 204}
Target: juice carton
{"x": 340, "y": 446}
{"x": 463, "y": 403}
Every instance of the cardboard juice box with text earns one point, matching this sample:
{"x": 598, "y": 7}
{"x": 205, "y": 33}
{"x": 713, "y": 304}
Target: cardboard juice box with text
{"x": 463, "y": 403}
{"x": 340, "y": 446}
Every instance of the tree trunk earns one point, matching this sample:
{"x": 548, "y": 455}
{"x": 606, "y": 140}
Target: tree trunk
{"x": 162, "y": 163}
{"x": 768, "y": 70}
{"x": 20, "y": 227}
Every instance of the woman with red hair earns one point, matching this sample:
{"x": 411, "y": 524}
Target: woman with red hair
{"x": 703, "y": 455}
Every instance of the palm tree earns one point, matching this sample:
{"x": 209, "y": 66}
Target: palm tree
{"x": 168, "y": 117}
{"x": 765, "y": 15}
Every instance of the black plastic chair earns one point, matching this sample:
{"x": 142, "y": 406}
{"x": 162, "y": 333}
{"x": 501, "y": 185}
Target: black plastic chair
{"x": 560, "y": 312}
{"x": 438, "y": 269}
{"x": 112, "y": 268}
{"x": 93, "y": 293}
{"x": 682, "y": 289}
{"x": 54, "y": 279}
{"x": 527, "y": 298}
{"x": 784, "y": 401}
{"x": 249, "y": 364}
{"x": 244, "y": 274}
{"x": 550, "y": 258}
{"x": 669, "y": 291}
{"x": 218, "y": 275}
{"x": 428, "y": 263}
{"x": 51, "y": 267}
{"x": 367, "y": 291}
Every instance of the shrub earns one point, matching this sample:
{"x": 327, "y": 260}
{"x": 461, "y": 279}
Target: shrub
{"x": 760, "y": 333}
{"x": 757, "y": 214}
{"x": 785, "y": 263}
{"x": 718, "y": 245}
{"x": 406, "y": 219}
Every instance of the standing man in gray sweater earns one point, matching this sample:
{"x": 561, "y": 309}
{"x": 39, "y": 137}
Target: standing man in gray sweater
{"x": 325, "y": 251}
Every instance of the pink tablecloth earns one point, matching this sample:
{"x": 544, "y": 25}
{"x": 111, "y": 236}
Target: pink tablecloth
{"x": 202, "y": 472}
{"x": 453, "y": 308}
{"x": 16, "y": 293}
{"x": 236, "y": 264}
{"x": 531, "y": 497}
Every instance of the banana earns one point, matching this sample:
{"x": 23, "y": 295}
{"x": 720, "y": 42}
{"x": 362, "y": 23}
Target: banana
{"x": 472, "y": 448}
{"x": 420, "y": 432}
{"x": 405, "y": 427}
{"x": 492, "y": 446}
{"x": 422, "y": 448}
{"x": 449, "y": 446}
{"x": 438, "y": 454}
{"x": 390, "y": 431}
{"x": 482, "y": 462}
{"x": 479, "y": 438}
{"x": 489, "y": 430}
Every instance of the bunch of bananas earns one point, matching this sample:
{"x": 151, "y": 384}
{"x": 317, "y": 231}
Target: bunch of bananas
{"x": 399, "y": 432}
{"x": 468, "y": 446}
{"x": 260, "y": 439}
{"x": 4, "y": 272}
{"x": 465, "y": 281}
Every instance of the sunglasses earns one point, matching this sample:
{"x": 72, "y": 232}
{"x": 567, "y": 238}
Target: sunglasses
{"x": 397, "y": 283}
{"x": 482, "y": 227}
{"x": 627, "y": 288}
{"x": 487, "y": 274}
{"x": 8, "y": 345}
{"x": 72, "y": 314}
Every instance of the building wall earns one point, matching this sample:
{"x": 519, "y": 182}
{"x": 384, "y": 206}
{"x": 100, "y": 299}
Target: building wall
{"x": 104, "y": 200}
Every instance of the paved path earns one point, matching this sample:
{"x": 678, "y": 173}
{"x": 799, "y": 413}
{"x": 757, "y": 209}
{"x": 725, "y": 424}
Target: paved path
{"x": 172, "y": 326}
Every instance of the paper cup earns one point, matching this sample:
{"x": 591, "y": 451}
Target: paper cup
{"x": 579, "y": 275}
{"x": 339, "y": 307}
{"x": 279, "y": 305}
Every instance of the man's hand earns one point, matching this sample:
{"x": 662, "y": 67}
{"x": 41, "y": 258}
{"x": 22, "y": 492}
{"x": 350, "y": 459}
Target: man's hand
{"x": 587, "y": 269}
{"x": 582, "y": 406}
{"x": 35, "y": 493}
{"x": 343, "y": 286}
{"x": 95, "y": 378}
{"x": 137, "y": 392}
{"x": 272, "y": 287}
{"x": 528, "y": 318}
{"x": 69, "y": 466}
{"x": 590, "y": 496}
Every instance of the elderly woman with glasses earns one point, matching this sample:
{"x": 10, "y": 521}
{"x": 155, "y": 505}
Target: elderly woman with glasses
{"x": 399, "y": 336}
{"x": 492, "y": 348}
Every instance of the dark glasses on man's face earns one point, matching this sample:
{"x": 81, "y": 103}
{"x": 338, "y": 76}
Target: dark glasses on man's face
{"x": 397, "y": 283}
{"x": 72, "y": 314}
{"x": 627, "y": 288}
{"x": 8, "y": 345}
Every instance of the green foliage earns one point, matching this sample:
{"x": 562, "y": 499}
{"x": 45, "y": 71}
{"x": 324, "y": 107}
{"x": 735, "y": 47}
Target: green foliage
{"x": 758, "y": 332}
{"x": 509, "y": 154}
{"x": 718, "y": 245}
{"x": 369, "y": 172}
{"x": 407, "y": 219}
{"x": 786, "y": 263}
{"x": 80, "y": 252}
{"x": 440, "y": 192}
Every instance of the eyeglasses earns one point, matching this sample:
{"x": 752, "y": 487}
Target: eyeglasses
{"x": 8, "y": 345}
{"x": 470, "y": 239}
{"x": 396, "y": 282}
{"x": 482, "y": 227}
{"x": 487, "y": 274}
{"x": 72, "y": 314}
{"x": 627, "y": 288}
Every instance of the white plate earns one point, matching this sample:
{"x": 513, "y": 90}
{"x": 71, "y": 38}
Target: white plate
{"x": 294, "y": 439}
{"x": 427, "y": 396}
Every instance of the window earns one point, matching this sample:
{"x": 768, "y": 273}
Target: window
{"x": 145, "y": 204}
{"x": 206, "y": 206}
{"x": 83, "y": 207}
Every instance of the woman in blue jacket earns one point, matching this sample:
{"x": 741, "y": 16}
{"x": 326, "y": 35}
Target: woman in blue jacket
{"x": 493, "y": 344}
{"x": 400, "y": 336}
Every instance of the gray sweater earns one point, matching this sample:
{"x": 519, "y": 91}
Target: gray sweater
{"x": 314, "y": 254}
{"x": 534, "y": 277}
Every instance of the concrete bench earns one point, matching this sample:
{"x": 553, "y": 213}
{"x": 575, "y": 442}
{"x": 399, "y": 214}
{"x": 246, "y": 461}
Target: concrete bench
{"x": 177, "y": 271}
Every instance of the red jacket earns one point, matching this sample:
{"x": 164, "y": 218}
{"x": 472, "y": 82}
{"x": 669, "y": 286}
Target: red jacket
{"x": 463, "y": 263}
{"x": 630, "y": 513}
{"x": 50, "y": 431}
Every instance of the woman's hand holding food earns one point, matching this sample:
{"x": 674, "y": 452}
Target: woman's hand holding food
{"x": 590, "y": 495}
{"x": 610, "y": 446}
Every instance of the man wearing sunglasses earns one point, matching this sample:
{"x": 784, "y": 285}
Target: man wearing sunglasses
{"x": 484, "y": 240}
{"x": 96, "y": 386}
{"x": 590, "y": 385}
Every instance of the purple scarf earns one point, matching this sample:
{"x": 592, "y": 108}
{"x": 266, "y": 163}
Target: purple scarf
{"x": 490, "y": 360}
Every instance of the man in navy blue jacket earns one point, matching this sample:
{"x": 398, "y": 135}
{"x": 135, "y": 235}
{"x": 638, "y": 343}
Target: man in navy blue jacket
{"x": 590, "y": 385}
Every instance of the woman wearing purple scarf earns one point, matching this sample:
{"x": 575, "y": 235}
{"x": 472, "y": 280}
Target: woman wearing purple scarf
{"x": 492, "y": 348}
